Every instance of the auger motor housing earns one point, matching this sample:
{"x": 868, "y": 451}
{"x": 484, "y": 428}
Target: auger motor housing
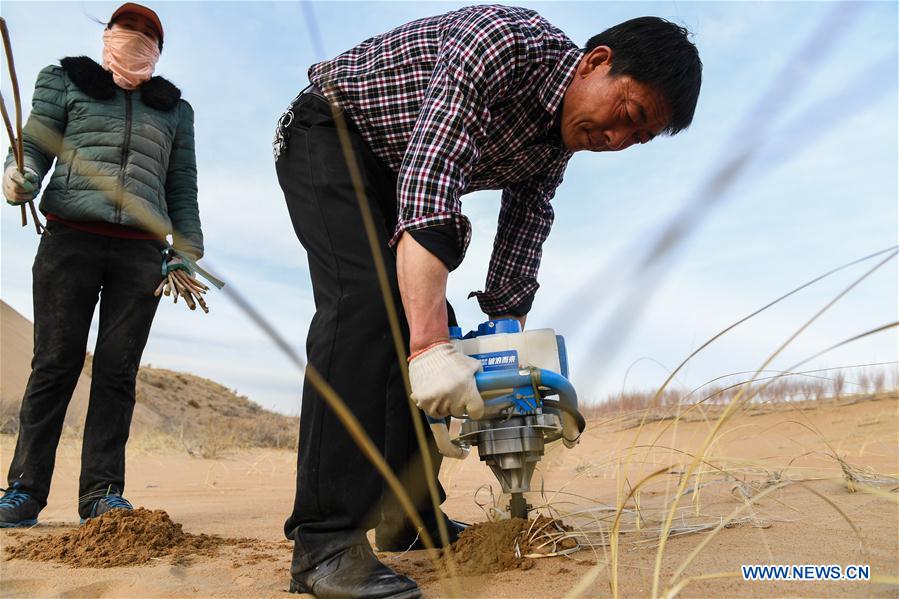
{"x": 528, "y": 398}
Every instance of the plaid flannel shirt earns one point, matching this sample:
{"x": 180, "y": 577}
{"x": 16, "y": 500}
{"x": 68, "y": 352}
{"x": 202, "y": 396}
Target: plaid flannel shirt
{"x": 461, "y": 102}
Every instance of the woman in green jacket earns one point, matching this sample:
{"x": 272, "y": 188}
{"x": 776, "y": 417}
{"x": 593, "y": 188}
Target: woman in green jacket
{"x": 125, "y": 178}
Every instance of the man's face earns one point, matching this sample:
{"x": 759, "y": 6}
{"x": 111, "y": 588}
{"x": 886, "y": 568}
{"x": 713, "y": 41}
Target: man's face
{"x": 606, "y": 113}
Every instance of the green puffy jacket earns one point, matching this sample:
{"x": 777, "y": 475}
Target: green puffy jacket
{"x": 123, "y": 157}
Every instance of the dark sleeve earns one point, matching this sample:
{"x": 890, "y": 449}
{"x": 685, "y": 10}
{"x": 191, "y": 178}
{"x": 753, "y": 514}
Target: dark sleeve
{"x": 478, "y": 63}
{"x": 43, "y": 131}
{"x": 181, "y": 187}
{"x": 525, "y": 219}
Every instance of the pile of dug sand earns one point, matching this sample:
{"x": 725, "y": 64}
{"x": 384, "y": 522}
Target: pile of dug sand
{"x": 490, "y": 547}
{"x": 119, "y": 538}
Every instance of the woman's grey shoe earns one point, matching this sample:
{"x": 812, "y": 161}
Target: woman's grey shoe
{"x": 113, "y": 501}
{"x": 18, "y": 508}
{"x": 354, "y": 572}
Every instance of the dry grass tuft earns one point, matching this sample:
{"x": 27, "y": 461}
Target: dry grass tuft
{"x": 862, "y": 476}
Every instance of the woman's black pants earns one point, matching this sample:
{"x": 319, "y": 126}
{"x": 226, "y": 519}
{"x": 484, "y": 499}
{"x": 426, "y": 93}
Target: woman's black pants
{"x": 339, "y": 492}
{"x": 71, "y": 271}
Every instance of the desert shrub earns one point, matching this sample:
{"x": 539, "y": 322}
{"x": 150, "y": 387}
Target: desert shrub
{"x": 9, "y": 417}
{"x": 821, "y": 385}
{"x": 215, "y": 436}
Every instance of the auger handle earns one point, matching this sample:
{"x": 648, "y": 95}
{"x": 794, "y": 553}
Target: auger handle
{"x": 572, "y": 419}
{"x": 509, "y": 379}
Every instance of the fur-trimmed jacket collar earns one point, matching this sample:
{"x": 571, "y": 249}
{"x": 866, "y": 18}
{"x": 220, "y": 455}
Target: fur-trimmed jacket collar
{"x": 96, "y": 82}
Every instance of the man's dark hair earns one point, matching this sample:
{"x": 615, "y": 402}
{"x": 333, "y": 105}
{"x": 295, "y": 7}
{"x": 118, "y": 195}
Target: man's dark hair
{"x": 659, "y": 54}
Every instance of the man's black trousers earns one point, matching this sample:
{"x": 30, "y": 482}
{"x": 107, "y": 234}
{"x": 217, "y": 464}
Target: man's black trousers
{"x": 339, "y": 492}
{"x": 72, "y": 269}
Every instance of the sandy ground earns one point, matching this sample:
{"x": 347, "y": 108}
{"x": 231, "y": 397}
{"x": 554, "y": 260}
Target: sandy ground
{"x": 248, "y": 494}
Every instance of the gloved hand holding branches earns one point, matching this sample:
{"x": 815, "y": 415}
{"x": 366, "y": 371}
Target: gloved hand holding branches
{"x": 178, "y": 280}
{"x": 19, "y": 188}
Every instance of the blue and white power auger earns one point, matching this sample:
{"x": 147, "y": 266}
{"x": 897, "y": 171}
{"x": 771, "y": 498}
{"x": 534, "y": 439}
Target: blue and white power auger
{"x": 528, "y": 399}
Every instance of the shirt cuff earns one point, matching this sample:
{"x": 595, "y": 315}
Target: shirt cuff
{"x": 442, "y": 241}
{"x": 513, "y": 297}
{"x": 454, "y": 221}
{"x": 189, "y": 245}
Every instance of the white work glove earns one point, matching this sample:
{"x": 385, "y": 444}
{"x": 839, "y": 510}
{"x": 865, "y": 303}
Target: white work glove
{"x": 19, "y": 188}
{"x": 442, "y": 380}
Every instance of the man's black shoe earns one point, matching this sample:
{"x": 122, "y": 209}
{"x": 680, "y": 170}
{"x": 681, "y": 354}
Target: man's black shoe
{"x": 410, "y": 540}
{"x": 355, "y": 572}
{"x": 18, "y": 508}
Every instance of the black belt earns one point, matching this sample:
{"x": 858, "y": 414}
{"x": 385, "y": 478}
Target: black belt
{"x": 313, "y": 90}
{"x": 281, "y": 133}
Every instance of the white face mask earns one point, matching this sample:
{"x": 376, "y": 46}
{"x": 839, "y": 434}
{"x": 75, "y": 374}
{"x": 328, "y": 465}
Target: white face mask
{"x": 130, "y": 56}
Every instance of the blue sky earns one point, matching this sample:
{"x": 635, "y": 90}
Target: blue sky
{"x": 819, "y": 188}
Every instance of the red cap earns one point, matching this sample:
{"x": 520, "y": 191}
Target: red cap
{"x": 138, "y": 9}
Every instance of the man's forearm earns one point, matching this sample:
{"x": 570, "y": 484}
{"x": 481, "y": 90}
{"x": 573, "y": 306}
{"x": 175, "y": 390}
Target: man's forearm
{"x": 422, "y": 281}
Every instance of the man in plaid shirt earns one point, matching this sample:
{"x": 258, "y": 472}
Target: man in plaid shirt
{"x": 487, "y": 97}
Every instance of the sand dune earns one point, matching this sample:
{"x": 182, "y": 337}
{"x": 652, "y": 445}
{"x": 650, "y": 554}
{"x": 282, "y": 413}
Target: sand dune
{"x": 172, "y": 408}
{"x": 16, "y": 347}
{"x": 249, "y": 493}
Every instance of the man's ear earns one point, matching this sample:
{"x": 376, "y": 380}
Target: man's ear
{"x": 600, "y": 56}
